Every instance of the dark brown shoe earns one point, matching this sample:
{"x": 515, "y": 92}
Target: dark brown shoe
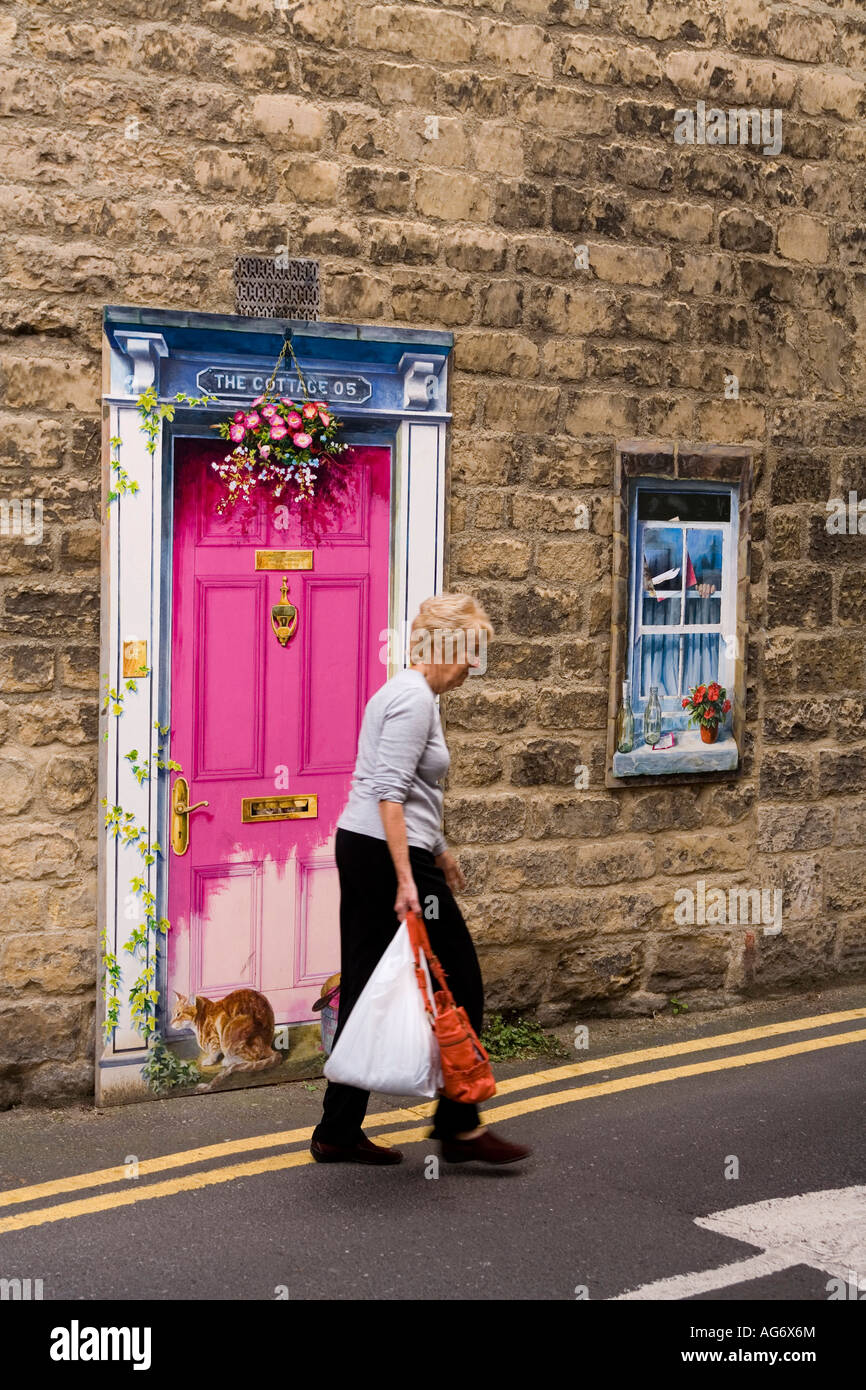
{"x": 362, "y": 1152}
{"x": 487, "y": 1148}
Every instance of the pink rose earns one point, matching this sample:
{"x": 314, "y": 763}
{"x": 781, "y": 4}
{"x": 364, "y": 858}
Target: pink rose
{"x": 309, "y": 411}
{"x": 302, "y": 441}
{"x": 278, "y": 431}
{"x": 253, "y": 420}
{"x": 258, "y": 400}
{"x": 285, "y": 400}
{"x": 264, "y": 450}
{"x": 239, "y": 417}
{"x": 268, "y": 411}
{"x": 294, "y": 420}
{"x": 237, "y": 433}
{"x": 325, "y": 418}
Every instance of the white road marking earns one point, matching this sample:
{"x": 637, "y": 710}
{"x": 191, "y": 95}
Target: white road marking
{"x": 824, "y": 1230}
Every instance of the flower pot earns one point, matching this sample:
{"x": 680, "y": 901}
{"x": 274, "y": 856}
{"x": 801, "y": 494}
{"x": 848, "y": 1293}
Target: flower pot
{"x": 709, "y": 735}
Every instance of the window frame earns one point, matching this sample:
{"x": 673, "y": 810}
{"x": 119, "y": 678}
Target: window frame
{"x": 727, "y": 624}
{"x": 675, "y": 464}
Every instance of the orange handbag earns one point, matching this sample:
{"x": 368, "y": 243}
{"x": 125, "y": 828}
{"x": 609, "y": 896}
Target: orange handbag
{"x": 466, "y": 1073}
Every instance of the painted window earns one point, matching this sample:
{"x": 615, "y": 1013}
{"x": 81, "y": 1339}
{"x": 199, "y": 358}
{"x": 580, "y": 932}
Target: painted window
{"x": 682, "y": 590}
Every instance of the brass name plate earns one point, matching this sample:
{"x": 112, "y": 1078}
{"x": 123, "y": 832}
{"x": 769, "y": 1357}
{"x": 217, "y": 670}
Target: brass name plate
{"x": 256, "y": 808}
{"x": 284, "y": 559}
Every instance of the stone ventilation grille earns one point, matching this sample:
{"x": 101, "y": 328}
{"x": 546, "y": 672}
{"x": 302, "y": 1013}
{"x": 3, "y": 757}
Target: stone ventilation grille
{"x": 265, "y": 288}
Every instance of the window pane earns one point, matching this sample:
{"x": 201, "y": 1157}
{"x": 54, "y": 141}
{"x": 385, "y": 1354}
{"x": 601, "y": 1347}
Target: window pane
{"x": 661, "y": 576}
{"x": 659, "y": 663}
{"x": 700, "y": 660}
{"x": 683, "y": 506}
{"x": 704, "y": 551}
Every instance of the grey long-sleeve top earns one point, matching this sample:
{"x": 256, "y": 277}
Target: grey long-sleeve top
{"x": 402, "y": 756}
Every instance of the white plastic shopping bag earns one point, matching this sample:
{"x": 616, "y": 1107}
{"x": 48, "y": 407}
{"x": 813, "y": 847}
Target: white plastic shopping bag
{"x": 388, "y": 1043}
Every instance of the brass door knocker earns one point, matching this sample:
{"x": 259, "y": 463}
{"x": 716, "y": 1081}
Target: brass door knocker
{"x": 284, "y": 616}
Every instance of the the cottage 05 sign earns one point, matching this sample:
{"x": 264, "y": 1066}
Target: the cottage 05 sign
{"x": 326, "y": 386}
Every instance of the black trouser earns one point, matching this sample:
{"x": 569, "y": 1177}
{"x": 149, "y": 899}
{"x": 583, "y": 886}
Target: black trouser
{"x": 368, "y": 888}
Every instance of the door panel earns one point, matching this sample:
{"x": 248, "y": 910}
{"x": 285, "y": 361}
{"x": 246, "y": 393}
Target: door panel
{"x": 337, "y": 605}
{"x": 226, "y": 918}
{"x": 255, "y": 904}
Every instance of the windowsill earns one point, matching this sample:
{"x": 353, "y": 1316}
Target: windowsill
{"x": 689, "y": 754}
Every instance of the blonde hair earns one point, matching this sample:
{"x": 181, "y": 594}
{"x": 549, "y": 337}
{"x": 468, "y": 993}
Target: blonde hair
{"x": 443, "y": 628}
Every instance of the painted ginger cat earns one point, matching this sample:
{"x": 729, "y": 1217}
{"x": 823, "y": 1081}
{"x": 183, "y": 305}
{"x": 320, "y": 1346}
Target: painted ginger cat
{"x": 240, "y": 1028}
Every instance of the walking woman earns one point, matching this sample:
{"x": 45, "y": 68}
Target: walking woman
{"x": 392, "y": 858}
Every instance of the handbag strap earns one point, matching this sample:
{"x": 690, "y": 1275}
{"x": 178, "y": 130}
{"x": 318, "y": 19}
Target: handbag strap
{"x": 421, "y": 942}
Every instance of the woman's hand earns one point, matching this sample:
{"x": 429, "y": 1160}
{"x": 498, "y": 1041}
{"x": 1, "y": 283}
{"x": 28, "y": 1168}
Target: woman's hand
{"x": 452, "y": 871}
{"x": 407, "y": 898}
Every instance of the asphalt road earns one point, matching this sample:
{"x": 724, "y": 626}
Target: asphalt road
{"x": 608, "y": 1204}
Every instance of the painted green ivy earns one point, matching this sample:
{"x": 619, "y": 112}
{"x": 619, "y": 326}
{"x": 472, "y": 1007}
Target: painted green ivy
{"x": 153, "y": 412}
{"x": 162, "y": 1070}
{"x": 122, "y": 825}
{"x": 122, "y": 481}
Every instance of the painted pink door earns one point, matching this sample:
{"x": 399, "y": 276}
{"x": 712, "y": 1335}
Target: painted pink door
{"x": 256, "y": 905}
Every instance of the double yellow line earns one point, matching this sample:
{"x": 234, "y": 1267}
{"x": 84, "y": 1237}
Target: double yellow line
{"x": 192, "y": 1182}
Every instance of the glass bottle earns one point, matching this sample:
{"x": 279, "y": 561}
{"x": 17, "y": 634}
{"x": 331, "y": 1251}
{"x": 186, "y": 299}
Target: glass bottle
{"x": 652, "y": 718}
{"x": 625, "y": 721}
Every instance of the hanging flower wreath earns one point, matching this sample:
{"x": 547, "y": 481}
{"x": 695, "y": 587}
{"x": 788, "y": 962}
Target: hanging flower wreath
{"x": 291, "y": 450}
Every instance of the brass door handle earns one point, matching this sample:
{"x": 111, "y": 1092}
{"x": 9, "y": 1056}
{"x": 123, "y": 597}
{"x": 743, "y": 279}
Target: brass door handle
{"x": 180, "y": 811}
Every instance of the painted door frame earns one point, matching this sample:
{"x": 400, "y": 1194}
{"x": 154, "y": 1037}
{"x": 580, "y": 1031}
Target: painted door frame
{"x": 407, "y": 372}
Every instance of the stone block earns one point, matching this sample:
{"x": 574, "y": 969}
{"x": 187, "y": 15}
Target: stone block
{"x": 486, "y": 819}
{"x": 697, "y": 961}
{"x": 17, "y": 783}
{"x": 545, "y": 761}
{"x": 621, "y": 862}
{"x": 474, "y": 707}
{"x": 56, "y": 962}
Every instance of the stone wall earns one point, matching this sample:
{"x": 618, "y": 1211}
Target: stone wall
{"x": 442, "y": 160}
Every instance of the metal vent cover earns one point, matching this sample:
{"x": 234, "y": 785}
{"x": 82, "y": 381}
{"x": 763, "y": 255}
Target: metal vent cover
{"x": 274, "y": 287}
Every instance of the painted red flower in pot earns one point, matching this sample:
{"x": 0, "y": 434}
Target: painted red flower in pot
{"x": 706, "y": 706}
